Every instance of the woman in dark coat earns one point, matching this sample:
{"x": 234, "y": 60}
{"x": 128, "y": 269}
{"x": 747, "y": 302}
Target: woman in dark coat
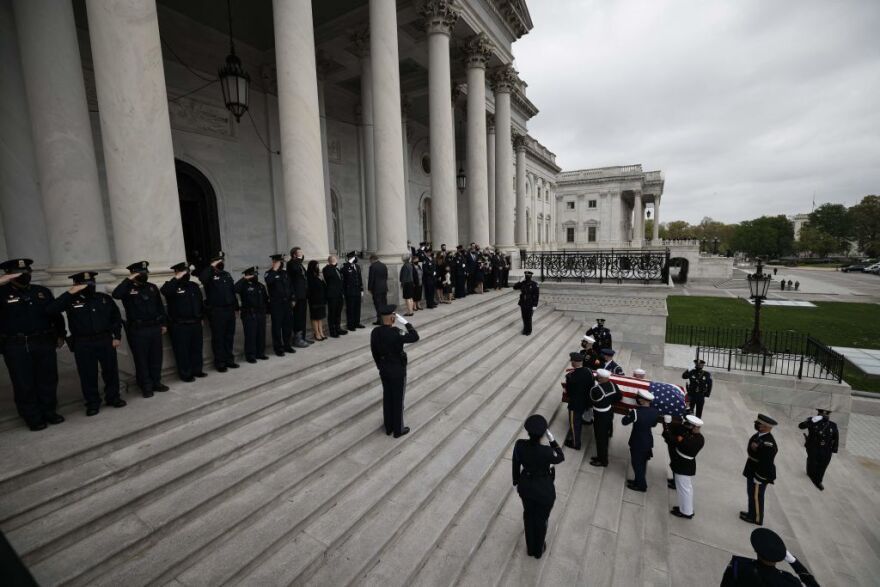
{"x": 533, "y": 476}
{"x": 317, "y": 295}
{"x": 417, "y": 284}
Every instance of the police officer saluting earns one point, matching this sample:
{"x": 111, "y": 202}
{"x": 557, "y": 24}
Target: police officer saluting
{"x": 528, "y": 300}
{"x": 185, "y": 313}
{"x": 222, "y": 306}
{"x": 28, "y": 339}
{"x": 254, "y": 299}
{"x": 578, "y": 383}
{"x": 641, "y": 442}
{"x": 821, "y": 443}
{"x": 280, "y": 305}
{"x": 386, "y": 344}
{"x": 145, "y": 323}
{"x": 602, "y": 396}
{"x": 748, "y": 572}
{"x": 96, "y": 332}
{"x": 601, "y": 334}
{"x": 760, "y": 469}
{"x": 353, "y": 289}
{"x": 699, "y": 386}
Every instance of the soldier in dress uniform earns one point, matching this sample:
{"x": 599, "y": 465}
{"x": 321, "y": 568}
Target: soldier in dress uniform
{"x": 145, "y": 323}
{"x": 760, "y": 469}
{"x": 280, "y": 305}
{"x": 221, "y": 305}
{"x": 685, "y": 442}
{"x": 185, "y": 314}
{"x": 749, "y": 572}
{"x": 609, "y": 363}
{"x": 641, "y": 441}
{"x": 699, "y": 386}
{"x": 335, "y": 296}
{"x": 578, "y": 383}
{"x": 601, "y": 334}
{"x": 591, "y": 359}
{"x": 602, "y": 397}
{"x": 640, "y": 374}
{"x": 429, "y": 276}
{"x": 300, "y": 290}
{"x": 533, "y": 476}
{"x": 353, "y": 288}
{"x": 29, "y": 337}
{"x": 95, "y": 333}
{"x": 528, "y": 300}
{"x": 386, "y": 344}
{"x": 821, "y": 443}
{"x": 254, "y": 300}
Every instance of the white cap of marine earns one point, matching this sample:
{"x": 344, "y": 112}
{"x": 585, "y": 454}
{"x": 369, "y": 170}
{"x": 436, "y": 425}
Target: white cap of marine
{"x": 645, "y": 394}
{"x": 693, "y": 420}
{"x": 604, "y": 373}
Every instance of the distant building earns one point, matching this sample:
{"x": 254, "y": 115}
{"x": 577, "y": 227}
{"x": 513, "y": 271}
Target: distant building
{"x": 798, "y": 221}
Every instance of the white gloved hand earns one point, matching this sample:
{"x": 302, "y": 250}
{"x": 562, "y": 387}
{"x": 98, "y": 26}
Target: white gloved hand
{"x": 400, "y": 320}
{"x": 550, "y": 436}
{"x": 667, "y": 419}
{"x": 789, "y": 558}
{"x": 816, "y": 419}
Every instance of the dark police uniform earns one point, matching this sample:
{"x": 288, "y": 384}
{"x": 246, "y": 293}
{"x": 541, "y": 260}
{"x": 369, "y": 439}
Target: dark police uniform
{"x": 144, "y": 319}
{"x": 748, "y": 572}
{"x": 280, "y": 307}
{"x": 601, "y": 334}
{"x": 699, "y": 387}
{"x": 821, "y": 443}
{"x": 641, "y": 442}
{"x": 460, "y": 274}
{"x": 528, "y": 300}
{"x": 334, "y": 291}
{"x": 95, "y": 322}
{"x": 386, "y": 344}
{"x": 28, "y": 340}
{"x": 759, "y": 471}
{"x": 221, "y": 307}
{"x": 353, "y": 289}
{"x": 300, "y": 295}
{"x": 185, "y": 313}
{"x": 429, "y": 276}
{"x": 533, "y": 476}
{"x": 578, "y": 383}
{"x": 602, "y": 397}
{"x": 254, "y": 300}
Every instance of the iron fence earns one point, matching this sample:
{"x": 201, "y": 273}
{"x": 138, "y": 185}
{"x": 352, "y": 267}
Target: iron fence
{"x": 643, "y": 265}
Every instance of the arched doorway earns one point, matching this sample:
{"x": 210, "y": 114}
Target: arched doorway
{"x": 336, "y": 222}
{"x": 198, "y": 213}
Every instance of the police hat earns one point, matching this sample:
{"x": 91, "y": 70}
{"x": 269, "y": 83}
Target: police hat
{"x": 16, "y": 265}
{"x": 576, "y": 357}
{"x": 387, "y": 310}
{"x": 535, "y": 425}
{"x": 182, "y": 266}
{"x": 218, "y": 257}
{"x": 600, "y": 320}
{"x": 608, "y": 352}
{"x": 139, "y": 267}
{"x": 83, "y": 276}
{"x": 766, "y": 420}
{"x": 699, "y": 362}
{"x": 823, "y": 411}
{"x": 350, "y": 254}
{"x": 250, "y": 270}
{"x": 528, "y": 273}
{"x": 277, "y": 257}
{"x": 768, "y": 545}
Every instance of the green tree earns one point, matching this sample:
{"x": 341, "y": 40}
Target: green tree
{"x": 817, "y": 241}
{"x": 833, "y": 220}
{"x": 677, "y": 230}
{"x": 772, "y": 236}
{"x": 865, "y": 218}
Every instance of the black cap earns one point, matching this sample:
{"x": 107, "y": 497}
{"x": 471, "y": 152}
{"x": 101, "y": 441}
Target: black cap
{"x": 535, "y": 425}
{"x": 528, "y": 273}
{"x": 139, "y": 267}
{"x": 768, "y": 545}
{"x": 16, "y": 265}
{"x": 823, "y": 411}
{"x": 602, "y": 320}
{"x": 699, "y": 362}
{"x": 609, "y": 352}
{"x": 277, "y": 257}
{"x": 250, "y": 270}
{"x": 218, "y": 257}
{"x": 83, "y": 276}
{"x": 763, "y": 419}
{"x": 387, "y": 310}
{"x": 182, "y": 266}
{"x": 576, "y": 357}
{"x": 350, "y": 254}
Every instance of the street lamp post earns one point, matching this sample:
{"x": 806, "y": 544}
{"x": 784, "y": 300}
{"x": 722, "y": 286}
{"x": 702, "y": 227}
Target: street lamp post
{"x": 715, "y": 242}
{"x": 759, "y": 283}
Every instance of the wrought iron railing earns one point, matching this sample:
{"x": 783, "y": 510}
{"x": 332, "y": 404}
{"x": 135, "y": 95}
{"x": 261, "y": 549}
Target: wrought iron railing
{"x": 643, "y": 265}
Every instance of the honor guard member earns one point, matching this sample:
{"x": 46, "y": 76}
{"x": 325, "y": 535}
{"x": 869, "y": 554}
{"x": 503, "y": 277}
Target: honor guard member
{"x": 591, "y": 360}
{"x": 335, "y": 292}
{"x": 699, "y": 386}
{"x": 760, "y": 469}
{"x": 578, "y": 383}
{"x": 609, "y": 363}
{"x": 429, "y": 276}
{"x": 601, "y": 334}
{"x": 386, "y": 344}
{"x": 29, "y": 337}
{"x": 95, "y": 333}
{"x": 640, "y": 374}
{"x": 145, "y": 323}
{"x": 602, "y": 397}
{"x": 533, "y": 476}
{"x": 353, "y": 288}
{"x": 254, "y": 300}
{"x": 221, "y": 306}
{"x": 750, "y": 572}
{"x": 300, "y": 291}
{"x": 821, "y": 443}
{"x": 641, "y": 441}
{"x": 280, "y": 305}
{"x": 685, "y": 442}
{"x": 185, "y": 314}
{"x": 528, "y": 300}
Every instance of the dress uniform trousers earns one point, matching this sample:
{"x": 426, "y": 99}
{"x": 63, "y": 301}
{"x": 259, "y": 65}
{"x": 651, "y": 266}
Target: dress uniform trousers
{"x": 696, "y": 401}
{"x": 334, "y": 315}
{"x": 379, "y": 300}
{"x": 282, "y": 325}
{"x": 146, "y": 350}
{"x": 538, "y": 496}
{"x": 602, "y": 422}
{"x": 527, "y": 312}
{"x": 186, "y": 340}
{"x": 638, "y": 457}
{"x": 222, "y": 335}
{"x": 33, "y": 371}
{"x": 352, "y": 311}
{"x": 393, "y": 390}
{"x": 575, "y": 422}
{"x": 756, "y": 491}
{"x": 817, "y": 462}
{"x": 428, "y": 284}
{"x": 89, "y": 352}
{"x": 254, "y": 324}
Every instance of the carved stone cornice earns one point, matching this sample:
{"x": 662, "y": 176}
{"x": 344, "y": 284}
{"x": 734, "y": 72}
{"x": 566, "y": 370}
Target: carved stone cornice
{"x": 478, "y": 50}
{"x": 490, "y": 123}
{"x": 360, "y": 43}
{"x": 519, "y": 141}
{"x": 514, "y": 14}
{"x": 505, "y": 79}
{"x": 440, "y": 16}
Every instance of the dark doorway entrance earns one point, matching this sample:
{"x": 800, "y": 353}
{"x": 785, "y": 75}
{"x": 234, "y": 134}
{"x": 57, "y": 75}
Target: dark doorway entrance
{"x": 198, "y": 211}
{"x": 678, "y": 269}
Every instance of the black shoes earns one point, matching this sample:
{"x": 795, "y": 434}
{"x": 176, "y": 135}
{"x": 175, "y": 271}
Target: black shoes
{"x": 287, "y": 349}
{"x": 279, "y": 353}
{"x": 597, "y": 463}
{"x": 361, "y": 326}
{"x": 160, "y": 387}
{"x": 147, "y": 393}
{"x": 233, "y": 365}
{"x": 187, "y": 379}
{"x": 221, "y": 369}
{"x": 631, "y": 485}
{"x": 92, "y": 411}
{"x": 200, "y": 374}
{"x": 744, "y": 516}
{"x": 403, "y": 432}
{"x": 263, "y": 357}
{"x": 37, "y": 426}
{"x": 677, "y": 512}
{"x": 117, "y": 403}
{"x": 670, "y": 483}
{"x": 54, "y": 418}
{"x": 571, "y": 445}
{"x": 342, "y": 332}
{"x": 334, "y": 335}
{"x": 250, "y": 360}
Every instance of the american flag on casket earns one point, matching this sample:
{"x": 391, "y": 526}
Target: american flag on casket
{"x": 669, "y": 399}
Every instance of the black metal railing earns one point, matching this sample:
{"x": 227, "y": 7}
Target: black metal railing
{"x": 645, "y": 265}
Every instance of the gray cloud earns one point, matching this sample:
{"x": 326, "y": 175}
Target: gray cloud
{"x": 748, "y": 106}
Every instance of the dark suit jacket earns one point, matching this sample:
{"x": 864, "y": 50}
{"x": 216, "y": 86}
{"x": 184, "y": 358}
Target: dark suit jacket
{"x": 333, "y": 282}
{"x": 377, "y": 279}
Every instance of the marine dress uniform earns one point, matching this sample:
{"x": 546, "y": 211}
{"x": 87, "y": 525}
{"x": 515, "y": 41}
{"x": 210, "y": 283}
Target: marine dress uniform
{"x": 185, "y": 314}
{"x": 221, "y": 306}
{"x": 641, "y": 441}
{"x": 699, "y": 386}
{"x": 528, "y": 300}
{"x": 685, "y": 442}
{"x": 254, "y": 300}
{"x": 280, "y": 306}
{"x": 749, "y": 572}
{"x": 759, "y": 470}
{"x": 821, "y": 443}
{"x": 386, "y": 344}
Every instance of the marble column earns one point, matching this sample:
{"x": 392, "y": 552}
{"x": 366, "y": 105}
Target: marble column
{"x": 404, "y": 131}
{"x": 390, "y": 189}
{"x": 655, "y": 238}
{"x": 490, "y": 153}
{"x": 479, "y": 51}
{"x": 62, "y": 138}
{"x": 522, "y": 233}
{"x": 503, "y": 83}
{"x": 24, "y": 225}
{"x": 136, "y": 132}
{"x": 638, "y": 229}
{"x": 299, "y": 117}
{"x": 322, "y": 69}
{"x": 362, "y": 50}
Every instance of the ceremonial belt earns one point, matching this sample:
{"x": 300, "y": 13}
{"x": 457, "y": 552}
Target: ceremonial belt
{"x": 595, "y": 409}
{"x": 531, "y": 475}
{"x": 684, "y": 456}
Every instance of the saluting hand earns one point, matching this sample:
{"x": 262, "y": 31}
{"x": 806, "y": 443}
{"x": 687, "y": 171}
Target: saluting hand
{"x": 116, "y": 343}
{"x": 180, "y": 274}
{"x": 164, "y": 329}
{"x": 77, "y": 288}
{"x": 4, "y": 279}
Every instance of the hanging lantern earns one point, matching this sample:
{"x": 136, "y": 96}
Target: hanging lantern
{"x": 234, "y": 80}
{"x": 461, "y": 179}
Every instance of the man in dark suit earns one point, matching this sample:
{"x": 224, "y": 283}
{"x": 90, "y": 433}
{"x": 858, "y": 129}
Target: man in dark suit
{"x": 386, "y": 344}
{"x": 299, "y": 291}
{"x": 377, "y": 285}
{"x": 335, "y": 297}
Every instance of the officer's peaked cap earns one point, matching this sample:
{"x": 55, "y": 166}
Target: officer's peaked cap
{"x": 387, "y": 310}
{"x": 218, "y": 257}
{"x": 535, "y": 425}
{"x": 250, "y": 270}
{"x": 277, "y": 257}
{"x": 768, "y": 545}
{"x": 83, "y": 276}
{"x": 766, "y": 420}
{"x": 609, "y": 352}
{"x": 140, "y": 266}
{"x": 182, "y": 266}
{"x": 16, "y": 265}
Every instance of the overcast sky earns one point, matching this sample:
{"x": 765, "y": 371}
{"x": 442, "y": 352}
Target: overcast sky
{"x": 747, "y": 106}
